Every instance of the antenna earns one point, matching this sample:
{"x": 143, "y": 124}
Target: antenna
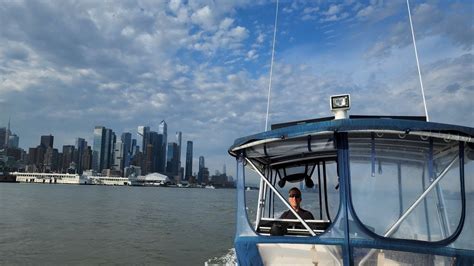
{"x": 271, "y": 66}
{"x": 417, "y": 62}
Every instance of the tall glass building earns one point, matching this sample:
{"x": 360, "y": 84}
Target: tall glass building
{"x": 172, "y": 167}
{"x": 126, "y": 139}
{"x": 98, "y": 149}
{"x": 179, "y": 136}
{"x": 189, "y": 160}
{"x": 81, "y": 146}
{"x": 162, "y": 145}
{"x": 201, "y": 168}
{"x": 143, "y": 137}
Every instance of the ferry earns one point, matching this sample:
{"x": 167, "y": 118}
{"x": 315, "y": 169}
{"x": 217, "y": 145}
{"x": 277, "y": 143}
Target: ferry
{"x": 383, "y": 191}
{"x": 47, "y": 178}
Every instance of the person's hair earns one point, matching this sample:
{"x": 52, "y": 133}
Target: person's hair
{"x": 294, "y": 189}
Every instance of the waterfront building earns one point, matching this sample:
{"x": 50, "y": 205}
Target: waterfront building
{"x": 220, "y": 180}
{"x": 153, "y": 179}
{"x": 189, "y": 160}
{"x": 132, "y": 171}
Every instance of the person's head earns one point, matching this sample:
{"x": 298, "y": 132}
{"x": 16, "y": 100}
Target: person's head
{"x": 294, "y": 197}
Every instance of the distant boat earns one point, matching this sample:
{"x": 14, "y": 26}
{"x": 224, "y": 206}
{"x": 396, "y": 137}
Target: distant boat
{"x": 210, "y": 187}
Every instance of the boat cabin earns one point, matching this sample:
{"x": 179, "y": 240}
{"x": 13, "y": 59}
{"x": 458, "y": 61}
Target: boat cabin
{"x": 382, "y": 190}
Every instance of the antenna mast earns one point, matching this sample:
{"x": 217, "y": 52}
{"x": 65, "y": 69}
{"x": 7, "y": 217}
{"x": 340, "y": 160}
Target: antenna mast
{"x": 271, "y": 66}
{"x": 417, "y": 62}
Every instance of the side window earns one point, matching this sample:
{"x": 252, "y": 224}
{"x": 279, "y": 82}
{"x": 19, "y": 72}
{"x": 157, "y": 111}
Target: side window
{"x": 406, "y": 187}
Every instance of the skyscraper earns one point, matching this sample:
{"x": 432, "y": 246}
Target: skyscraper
{"x": 109, "y": 148}
{"x": 68, "y": 158}
{"x": 134, "y": 150}
{"x": 179, "y": 136}
{"x": 201, "y": 169}
{"x": 3, "y": 134}
{"x": 98, "y": 149}
{"x": 126, "y": 139}
{"x": 163, "y": 133}
{"x": 51, "y": 158}
{"x": 13, "y": 141}
{"x": 189, "y": 160}
{"x": 81, "y": 146}
{"x": 119, "y": 154}
{"x": 47, "y": 141}
{"x": 153, "y": 157}
{"x": 143, "y": 137}
{"x": 172, "y": 168}
{"x": 87, "y": 158}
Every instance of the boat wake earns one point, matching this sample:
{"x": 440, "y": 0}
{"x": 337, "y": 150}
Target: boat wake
{"x": 227, "y": 259}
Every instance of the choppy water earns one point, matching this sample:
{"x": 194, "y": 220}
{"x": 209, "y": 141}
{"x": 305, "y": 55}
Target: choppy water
{"x": 68, "y": 224}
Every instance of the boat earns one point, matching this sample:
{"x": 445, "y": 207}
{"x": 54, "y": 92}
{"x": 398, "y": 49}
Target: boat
{"x": 384, "y": 191}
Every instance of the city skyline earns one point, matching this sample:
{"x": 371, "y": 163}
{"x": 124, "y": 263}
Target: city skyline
{"x": 204, "y": 66}
{"x": 107, "y": 149}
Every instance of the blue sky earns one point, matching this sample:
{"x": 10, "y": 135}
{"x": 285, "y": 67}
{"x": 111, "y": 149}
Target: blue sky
{"x": 203, "y": 66}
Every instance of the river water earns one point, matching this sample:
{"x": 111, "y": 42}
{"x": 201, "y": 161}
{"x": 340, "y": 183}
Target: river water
{"x": 72, "y": 224}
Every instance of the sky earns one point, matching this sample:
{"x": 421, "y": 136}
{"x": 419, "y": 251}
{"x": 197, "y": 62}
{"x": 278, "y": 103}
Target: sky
{"x": 203, "y": 66}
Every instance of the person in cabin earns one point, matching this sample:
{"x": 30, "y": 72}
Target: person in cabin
{"x": 294, "y": 197}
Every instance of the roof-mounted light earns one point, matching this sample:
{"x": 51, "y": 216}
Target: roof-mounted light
{"x": 339, "y": 105}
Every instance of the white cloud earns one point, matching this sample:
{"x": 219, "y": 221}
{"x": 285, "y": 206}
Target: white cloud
{"x": 333, "y": 10}
{"x": 260, "y": 38}
{"x": 204, "y": 17}
{"x": 252, "y": 54}
{"x": 174, "y": 5}
{"x": 365, "y": 12}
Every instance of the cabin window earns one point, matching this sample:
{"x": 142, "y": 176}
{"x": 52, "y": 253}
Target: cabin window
{"x": 322, "y": 199}
{"x": 389, "y": 175}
